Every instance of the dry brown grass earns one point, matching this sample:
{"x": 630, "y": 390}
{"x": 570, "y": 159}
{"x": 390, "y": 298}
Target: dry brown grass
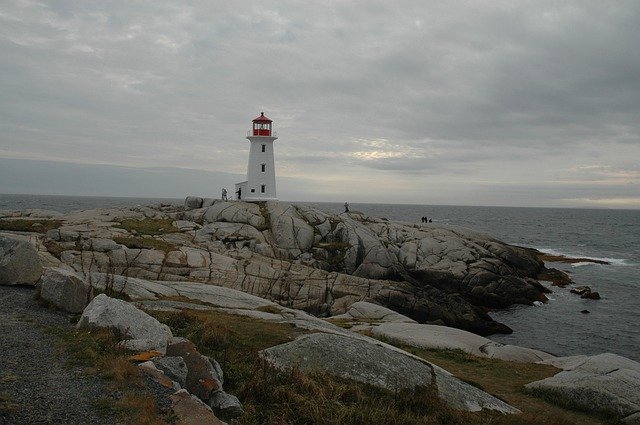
{"x": 270, "y": 396}
{"x": 148, "y": 226}
{"x": 140, "y": 410}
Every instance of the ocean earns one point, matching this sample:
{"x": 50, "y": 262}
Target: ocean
{"x": 558, "y": 326}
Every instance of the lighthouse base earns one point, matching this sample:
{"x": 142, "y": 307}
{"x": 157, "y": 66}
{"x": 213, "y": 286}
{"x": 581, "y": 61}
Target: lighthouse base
{"x": 257, "y": 199}
{"x": 243, "y": 193}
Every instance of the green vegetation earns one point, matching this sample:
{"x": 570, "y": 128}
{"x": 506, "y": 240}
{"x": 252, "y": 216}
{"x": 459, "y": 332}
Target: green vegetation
{"x": 148, "y": 226}
{"x": 32, "y": 225}
{"x": 98, "y": 353}
{"x": 144, "y": 243}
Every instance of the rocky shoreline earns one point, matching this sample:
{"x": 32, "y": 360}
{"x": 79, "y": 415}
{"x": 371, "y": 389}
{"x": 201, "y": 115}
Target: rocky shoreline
{"x": 304, "y": 258}
{"x": 405, "y": 282}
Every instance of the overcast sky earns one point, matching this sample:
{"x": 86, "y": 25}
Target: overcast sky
{"x": 469, "y": 103}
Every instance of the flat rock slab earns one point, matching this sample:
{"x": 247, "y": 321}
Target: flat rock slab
{"x": 368, "y": 312}
{"x": 377, "y": 365}
{"x": 605, "y": 382}
{"x": 447, "y": 338}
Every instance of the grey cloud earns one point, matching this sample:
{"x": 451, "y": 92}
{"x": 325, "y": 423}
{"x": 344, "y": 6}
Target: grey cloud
{"x": 463, "y": 87}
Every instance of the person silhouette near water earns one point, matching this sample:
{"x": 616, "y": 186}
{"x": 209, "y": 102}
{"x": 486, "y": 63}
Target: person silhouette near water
{"x": 224, "y": 194}
{"x": 346, "y": 207}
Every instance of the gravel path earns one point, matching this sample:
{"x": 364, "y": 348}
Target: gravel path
{"x": 34, "y": 378}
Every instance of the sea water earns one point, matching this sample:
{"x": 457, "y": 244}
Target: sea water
{"x": 557, "y": 326}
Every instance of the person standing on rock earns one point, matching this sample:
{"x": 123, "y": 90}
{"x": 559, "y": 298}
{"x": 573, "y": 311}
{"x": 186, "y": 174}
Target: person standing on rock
{"x": 346, "y": 207}
{"x": 239, "y": 193}
{"x": 224, "y": 194}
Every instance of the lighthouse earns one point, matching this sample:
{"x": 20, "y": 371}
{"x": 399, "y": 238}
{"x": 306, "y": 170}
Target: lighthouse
{"x": 261, "y": 173}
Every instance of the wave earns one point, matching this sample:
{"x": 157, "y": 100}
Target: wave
{"x": 612, "y": 261}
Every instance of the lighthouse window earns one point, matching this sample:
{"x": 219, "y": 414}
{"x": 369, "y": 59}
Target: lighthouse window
{"x": 263, "y": 167}
{"x": 264, "y": 148}
{"x": 263, "y": 188}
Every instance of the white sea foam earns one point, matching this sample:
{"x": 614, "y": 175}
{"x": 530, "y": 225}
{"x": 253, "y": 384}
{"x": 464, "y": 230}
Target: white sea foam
{"x": 611, "y": 261}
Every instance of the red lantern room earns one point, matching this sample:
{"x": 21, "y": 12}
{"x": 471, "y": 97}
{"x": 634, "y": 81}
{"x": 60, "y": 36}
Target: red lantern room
{"x": 262, "y": 126}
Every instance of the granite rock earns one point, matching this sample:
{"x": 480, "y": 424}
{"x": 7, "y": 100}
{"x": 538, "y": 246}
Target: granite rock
{"x": 134, "y": 328}
{"x": 19, "y": 262}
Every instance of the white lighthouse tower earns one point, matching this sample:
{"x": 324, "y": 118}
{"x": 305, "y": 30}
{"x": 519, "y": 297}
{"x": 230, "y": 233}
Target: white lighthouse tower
{"x": 261, "y": 173}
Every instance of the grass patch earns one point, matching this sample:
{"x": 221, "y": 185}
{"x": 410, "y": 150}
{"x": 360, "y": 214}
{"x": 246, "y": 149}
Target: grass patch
{"x": 234, "y": 341}
{"x": 343, "y": 323}
{"x": 273, "y": 309}
{"x": 144, "y": 243}
{"x": 22, "y": 225}
{"x": 148, "y": 226}
{"x": 97, "y": 352}
{"x": 270, "y": 396}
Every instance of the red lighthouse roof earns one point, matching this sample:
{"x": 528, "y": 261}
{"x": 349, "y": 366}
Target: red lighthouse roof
{"x": 262, "y": 118}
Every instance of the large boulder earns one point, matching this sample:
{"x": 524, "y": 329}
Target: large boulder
{"x": 174, "y": 367}
{"x": 604, "y": 382}
{"x": 192, "y": 202}
{"x": 365, "y": 255}
{"x": 235, "y": 212}
{"x": 290, "y": 231}
{"x": 64, "y": 289}
{"x": 136, "y": 329}
{"x": 227, "y": 405}
{"x": 202, "y": 379}
{"x": 378, "y": 365}
{"x": 19, "y": 262}
{"x": 189, "y": 410}
{"x": 229, "y": 232}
